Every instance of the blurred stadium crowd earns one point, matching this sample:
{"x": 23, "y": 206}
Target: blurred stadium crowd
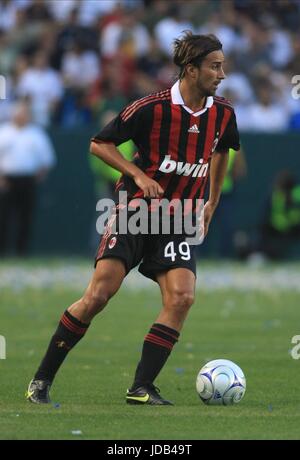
{"x": 78, "y": 60}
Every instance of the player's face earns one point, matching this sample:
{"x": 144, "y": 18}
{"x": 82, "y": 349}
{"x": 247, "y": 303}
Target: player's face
{"x": 210, "y": 73}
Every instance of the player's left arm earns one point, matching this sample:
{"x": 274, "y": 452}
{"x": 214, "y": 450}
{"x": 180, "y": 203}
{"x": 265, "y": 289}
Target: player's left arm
{"x": 218, "y": 168}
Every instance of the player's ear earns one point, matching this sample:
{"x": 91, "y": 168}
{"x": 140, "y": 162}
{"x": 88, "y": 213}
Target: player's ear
{"x": 191, "y": 70}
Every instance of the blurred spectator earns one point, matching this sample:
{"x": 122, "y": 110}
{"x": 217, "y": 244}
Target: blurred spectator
{"x": 225, "y": 33}
{"x": 293, "y": 66}
{"x": 237, "y": 83}
{"x": 171, "y": 27}
{"x": 156, "y": 68}
{"x": 91, "y": 10}
{"x": 26, "y": 155}
{"x": 253, "y": 47}
{"x": 267, "y": 115}
{"x": 43, "y": 86}
{"x": 74, "y": 109}
{"x": 106, "y": 97}
{"x": 38, "y": 11}
{"x": 126, "y": 35}
{"x": 72, "y": 33}
{"x": 80, "y": 67}
{"x": 61, "y": 9}
{"x": 280, "y": 44}
{"x": 281, "y": 225}
{"x": 20, "y": 38}
{"x": 8, "y": 11}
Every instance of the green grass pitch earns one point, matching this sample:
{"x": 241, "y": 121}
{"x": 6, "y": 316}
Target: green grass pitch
{"x": 252, "y": 327}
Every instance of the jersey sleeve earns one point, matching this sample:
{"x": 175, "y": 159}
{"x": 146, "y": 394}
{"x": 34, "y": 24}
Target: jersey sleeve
{"x": 230, "y": 138}
{"x": 119, "y": 130}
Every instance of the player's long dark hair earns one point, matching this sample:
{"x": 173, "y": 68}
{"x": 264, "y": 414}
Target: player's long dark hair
{"x": 192, "y": 49}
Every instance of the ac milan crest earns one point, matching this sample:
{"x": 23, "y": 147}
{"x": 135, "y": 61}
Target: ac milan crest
{"x": 112, "y": 242}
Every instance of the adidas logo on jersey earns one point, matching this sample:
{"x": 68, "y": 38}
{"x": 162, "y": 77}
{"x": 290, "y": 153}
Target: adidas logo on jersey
{"x": 194, "y": 129}
{"x": 184, "y": 169}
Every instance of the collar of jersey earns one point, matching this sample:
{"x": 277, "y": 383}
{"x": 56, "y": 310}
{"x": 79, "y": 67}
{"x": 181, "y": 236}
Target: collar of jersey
{"x": 177, "y": 99}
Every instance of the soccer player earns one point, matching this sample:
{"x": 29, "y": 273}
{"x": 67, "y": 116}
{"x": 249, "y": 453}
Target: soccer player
{"x": 185, "y": 126}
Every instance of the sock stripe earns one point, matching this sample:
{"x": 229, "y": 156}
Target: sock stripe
{"x": 72, "y": 327}
{"x": 167, "y": 329}
{"x": 165, "y": 332}
{"x": 162, "y": 339}
{"x": 159, "y": 341}
{"x": 75, "y": 320}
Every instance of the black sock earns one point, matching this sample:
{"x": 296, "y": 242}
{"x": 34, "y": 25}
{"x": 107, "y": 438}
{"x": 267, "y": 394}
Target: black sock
{"x": 70, "y": 330}
{"x": 157, "y": 347}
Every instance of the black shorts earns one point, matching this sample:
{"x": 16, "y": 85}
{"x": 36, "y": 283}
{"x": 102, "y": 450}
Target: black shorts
{"x": 157, "y": 253}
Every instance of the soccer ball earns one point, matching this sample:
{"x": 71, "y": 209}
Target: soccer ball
{"x": 221, "y": 382}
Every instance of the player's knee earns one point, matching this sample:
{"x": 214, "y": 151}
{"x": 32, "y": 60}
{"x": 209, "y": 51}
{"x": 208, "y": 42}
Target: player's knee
{"x": 180, "y": 300}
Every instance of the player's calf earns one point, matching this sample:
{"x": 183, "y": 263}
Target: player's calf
{"x": 89, "y": 306}
{"x": 175, "y": 309}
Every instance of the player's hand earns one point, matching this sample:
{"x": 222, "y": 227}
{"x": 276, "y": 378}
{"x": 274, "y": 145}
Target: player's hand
{"x": 150, "y": 187}
{"x": 209, "y": 210}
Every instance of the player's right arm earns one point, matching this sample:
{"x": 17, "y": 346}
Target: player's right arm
{"x": 108, "y": 153}
{"x": 129, "y": 124}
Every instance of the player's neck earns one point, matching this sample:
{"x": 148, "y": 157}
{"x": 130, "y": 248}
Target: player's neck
{"x": 192, "y": 99}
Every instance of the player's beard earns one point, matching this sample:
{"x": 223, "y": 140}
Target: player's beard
{"x": 213, "y": 89}
{"x": 207, "y": 91}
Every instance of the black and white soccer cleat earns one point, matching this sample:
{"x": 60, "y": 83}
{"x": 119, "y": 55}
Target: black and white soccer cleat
{"x": 146, "y": 394}
{"x": 38, "y": 391}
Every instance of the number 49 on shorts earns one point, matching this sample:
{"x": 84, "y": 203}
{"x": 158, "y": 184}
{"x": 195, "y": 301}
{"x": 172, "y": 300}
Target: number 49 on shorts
{"x": 183, "y": 249}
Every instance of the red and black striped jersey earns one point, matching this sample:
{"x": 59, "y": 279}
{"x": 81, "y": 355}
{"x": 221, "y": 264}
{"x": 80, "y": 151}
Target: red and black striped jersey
{"x": 174, "y": 145}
